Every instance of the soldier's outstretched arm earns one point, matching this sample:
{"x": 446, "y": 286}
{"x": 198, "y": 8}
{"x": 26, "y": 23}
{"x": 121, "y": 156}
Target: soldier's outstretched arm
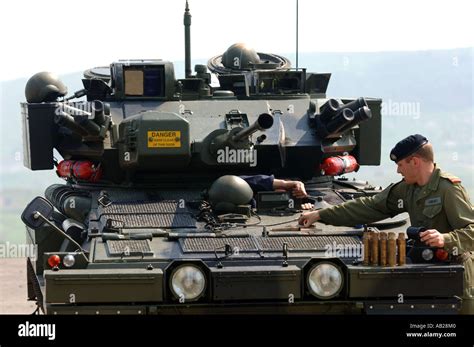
{"x": 386, "y": 204}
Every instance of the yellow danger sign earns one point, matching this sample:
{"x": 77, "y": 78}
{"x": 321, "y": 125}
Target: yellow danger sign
{"x": 164, "y": 139}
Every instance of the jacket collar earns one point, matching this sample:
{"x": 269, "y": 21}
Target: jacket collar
{"x": 432, "y": 184}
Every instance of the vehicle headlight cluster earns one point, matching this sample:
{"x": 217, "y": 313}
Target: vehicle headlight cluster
{"x": 188, "y": 282}
{"x": 325, "y": 280}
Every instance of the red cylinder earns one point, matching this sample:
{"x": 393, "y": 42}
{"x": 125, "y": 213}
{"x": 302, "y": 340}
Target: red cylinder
{"x": 81, "y": 170}
{"x": 64, "y": 168}
{"x": 334, "y": 166}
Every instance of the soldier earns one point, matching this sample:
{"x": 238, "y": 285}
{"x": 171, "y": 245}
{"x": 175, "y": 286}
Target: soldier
{"x": 434, "y": 199}
{"x": 267, "y": 183}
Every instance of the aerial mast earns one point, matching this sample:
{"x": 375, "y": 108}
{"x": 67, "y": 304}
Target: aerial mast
{"x": 297, "y": 15}
{"x": 187, "y": 41}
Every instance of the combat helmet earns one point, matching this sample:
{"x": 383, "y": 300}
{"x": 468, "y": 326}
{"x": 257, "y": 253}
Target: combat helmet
{"x": 44, "y": 87}
{"x": 229, "y": 191}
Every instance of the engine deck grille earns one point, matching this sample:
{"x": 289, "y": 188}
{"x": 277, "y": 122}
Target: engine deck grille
{"x": 129, "y": 248}
{"x": 163, "y": 220}
{"x": 211, "y": 244}
{"x": 306, "y": 243}
{"x": 268, "y": 244}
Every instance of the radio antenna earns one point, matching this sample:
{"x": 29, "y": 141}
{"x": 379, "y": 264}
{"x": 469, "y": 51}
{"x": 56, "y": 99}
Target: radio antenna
{"x": 296, "y": 34}
{"x": 187, "y": 41}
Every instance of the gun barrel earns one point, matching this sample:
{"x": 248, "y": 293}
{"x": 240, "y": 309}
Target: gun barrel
{"x": 355, "y": 104}
{"x": 81, "y": 125}
{"x": 98, "y": 109}
{"x": 344, "y": 117}
{"x": 264, "y": 121}
{"x": 328, "y": 110}
{"x": 91, "y": 127}
{"x": 68, "y": 121}
{"x": 360, "y": 115}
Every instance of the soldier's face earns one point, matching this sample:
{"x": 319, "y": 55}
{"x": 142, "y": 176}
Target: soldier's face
{"x": 407, "y": 169}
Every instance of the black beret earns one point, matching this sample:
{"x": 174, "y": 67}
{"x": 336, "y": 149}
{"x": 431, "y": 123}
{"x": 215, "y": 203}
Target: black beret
{"x": 407, "y": 146}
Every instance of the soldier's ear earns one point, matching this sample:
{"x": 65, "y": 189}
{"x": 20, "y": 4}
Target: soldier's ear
{"x": 416, "y": 161}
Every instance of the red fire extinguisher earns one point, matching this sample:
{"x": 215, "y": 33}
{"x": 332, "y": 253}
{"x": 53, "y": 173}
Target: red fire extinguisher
{"x": 334, "y": 166}
{"x": 81, "y": 170}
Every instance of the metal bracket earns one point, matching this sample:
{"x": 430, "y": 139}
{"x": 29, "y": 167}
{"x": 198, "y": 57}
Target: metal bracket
{"x": 235, "y": 119}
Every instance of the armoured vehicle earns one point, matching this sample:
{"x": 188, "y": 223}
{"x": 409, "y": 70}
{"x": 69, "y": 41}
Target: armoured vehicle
{"x": 156, "y": 215}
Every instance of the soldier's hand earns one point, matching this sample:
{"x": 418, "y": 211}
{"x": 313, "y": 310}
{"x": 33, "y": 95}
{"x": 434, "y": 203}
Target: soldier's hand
{"x": 432, "y": 238}
{"x": 308, "y": 218}
{"x": 297, "y": 188}
{"x": 307, "y": 206}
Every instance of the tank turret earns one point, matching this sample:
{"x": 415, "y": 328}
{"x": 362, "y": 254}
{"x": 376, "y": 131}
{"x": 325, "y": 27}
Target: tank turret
{"x": 174, "y": 125}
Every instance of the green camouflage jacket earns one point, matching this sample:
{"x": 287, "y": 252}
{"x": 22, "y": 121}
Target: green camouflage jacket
{"x": 442, "y": 204}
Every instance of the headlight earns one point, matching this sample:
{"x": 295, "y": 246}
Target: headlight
{"x": 325, "y": 280}
{"x": 188, "y": 282}
{"x": 427, "y": 254}
{"x": 69, "y": 260}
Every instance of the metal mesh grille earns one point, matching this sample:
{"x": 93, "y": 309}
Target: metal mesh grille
{"x": 305, "y": 243}
{"x": 209, "y": 244}
{"x": 132, "y": 195}
{"x": 168, "y": 206}
{"x": 170, "y": 220}
{"x": 129, "y": 247}
{"x": 297, "y": 243}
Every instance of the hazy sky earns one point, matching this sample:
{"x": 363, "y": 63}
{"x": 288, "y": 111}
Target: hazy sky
{"x": 65, "y": 36}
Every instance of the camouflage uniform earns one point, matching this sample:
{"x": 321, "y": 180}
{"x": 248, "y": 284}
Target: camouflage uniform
{"x": 442, "y": 204}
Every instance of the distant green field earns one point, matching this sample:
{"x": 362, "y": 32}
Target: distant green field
{"x": 12, "y": 228}
{"x": 14, "y": 201}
